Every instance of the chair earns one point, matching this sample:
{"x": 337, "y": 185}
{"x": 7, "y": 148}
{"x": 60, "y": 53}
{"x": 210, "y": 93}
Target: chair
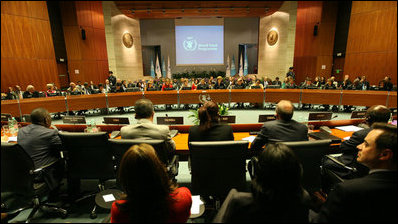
{"x": 330, "y": 175}
{"x": 217, "y": 167}
{"x": 310, "y": 154}
{"x": 19, "y": 179}
{"x": 120, "y": 146}
{"x": 88, "y": 157}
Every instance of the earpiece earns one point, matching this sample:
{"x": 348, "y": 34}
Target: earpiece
{"x": 252, "y": 167}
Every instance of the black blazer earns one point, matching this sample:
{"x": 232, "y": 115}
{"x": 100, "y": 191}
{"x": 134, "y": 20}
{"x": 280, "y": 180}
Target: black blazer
{"x": 279, "y": 130}
{"x": 218, "y": 132}
{"x": 349, "y": 147}
{"x": 372, "y": 198}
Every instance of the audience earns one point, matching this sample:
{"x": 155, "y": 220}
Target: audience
{"x": 145, "y": 128}
{"x": 376, "y": 113}
{"x": 281, "y": 129}
{"x": 43, "y": 145}
{"x": 372, "y": 198}
{"x": 210, "y": 128}
{"x": 150, "y": 196}
{"x": 276, "y": 193}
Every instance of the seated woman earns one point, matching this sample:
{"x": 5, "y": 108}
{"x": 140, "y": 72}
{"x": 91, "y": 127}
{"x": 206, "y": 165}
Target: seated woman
{"x": 203, "y": 84}
{"x": 277, "y": 194}
{"x": 257, "y": 85}
{"x": 150, "y": 195}
{"x": 209, "y": 128}
{"x": 220, "y": 83}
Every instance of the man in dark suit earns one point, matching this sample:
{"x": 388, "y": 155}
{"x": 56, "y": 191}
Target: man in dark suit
{"x": 372, "y": 198}
{"x": 43, "y": 145}
{"x": 291, "y": 73}
{"x": 281, "y": 129}
{"x": 376, "y": 113}
{"x": 112, "y": 78}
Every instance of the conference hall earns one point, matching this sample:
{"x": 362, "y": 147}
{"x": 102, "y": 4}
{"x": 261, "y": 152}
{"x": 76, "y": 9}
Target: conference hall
{"x": 198, "y": 111}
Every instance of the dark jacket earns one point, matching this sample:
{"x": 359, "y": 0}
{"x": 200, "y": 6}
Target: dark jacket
{"x": 372, "y": 198}
{"x": 218, "y": 132}
{"x": 280, "y": 130}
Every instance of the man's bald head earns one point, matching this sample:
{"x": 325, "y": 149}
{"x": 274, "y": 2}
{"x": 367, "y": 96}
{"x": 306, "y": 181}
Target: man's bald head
{"x": 378, "y": 113}
{"x": 284, "y": 110}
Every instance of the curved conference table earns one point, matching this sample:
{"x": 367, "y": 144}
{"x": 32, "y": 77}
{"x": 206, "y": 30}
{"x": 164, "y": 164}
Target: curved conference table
{"x": 17, "y": 108}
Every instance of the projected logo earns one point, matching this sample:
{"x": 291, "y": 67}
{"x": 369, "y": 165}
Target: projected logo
{"x": 190, "y": 44}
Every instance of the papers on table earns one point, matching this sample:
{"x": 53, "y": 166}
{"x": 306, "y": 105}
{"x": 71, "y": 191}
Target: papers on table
{"x": 250, "y": 138}
{"x": 349, "y": 128}
{"x": 346, "y": 138}
{"x": 109, "y": 197}
{"x": 196, "y": 202}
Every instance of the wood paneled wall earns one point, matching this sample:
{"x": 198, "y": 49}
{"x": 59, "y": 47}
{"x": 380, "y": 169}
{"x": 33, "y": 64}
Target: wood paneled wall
{"x": 372, "y": 41}
{"x": 89, "y": 56}
{"x": 311, "y": 52}
{"x": 27, "y": 51}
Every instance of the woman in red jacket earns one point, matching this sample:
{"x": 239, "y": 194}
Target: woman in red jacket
{"x": 150, "y": 195}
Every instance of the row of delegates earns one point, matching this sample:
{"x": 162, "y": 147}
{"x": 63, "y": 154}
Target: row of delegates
{"x": 372, "y": 198}
{"x": 375, "y": 114}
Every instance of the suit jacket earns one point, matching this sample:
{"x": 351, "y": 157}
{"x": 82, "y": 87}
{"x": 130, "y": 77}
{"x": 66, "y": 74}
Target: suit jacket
{"x": 349, "y": 148}
{"x": 280, "y": 130}
{"x": 372, "y": 198}
{"x": 43, "y": 145}
{"x": 241, "y": 207}
{"x": 218, "y": 132}
{"x": 146, "y": 130}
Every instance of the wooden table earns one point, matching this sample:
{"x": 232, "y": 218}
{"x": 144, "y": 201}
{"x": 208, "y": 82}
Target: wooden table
{"x": 313, "y": 96}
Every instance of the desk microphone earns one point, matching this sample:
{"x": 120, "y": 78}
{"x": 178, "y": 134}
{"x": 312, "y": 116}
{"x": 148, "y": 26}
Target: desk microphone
{"x": 167, "y": 115}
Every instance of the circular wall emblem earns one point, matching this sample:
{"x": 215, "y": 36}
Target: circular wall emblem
{"x": 203, "y": 98}
{"x": 127, "y": 40}
{"x": 272, "y": 37}
{"x": 190, "y": 44}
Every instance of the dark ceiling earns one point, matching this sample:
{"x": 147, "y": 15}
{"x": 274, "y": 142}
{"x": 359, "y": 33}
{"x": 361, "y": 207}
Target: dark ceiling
{"x": 176, "y": 9}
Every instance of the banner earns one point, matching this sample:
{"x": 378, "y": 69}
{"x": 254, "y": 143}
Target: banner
{"x": 245, "y": 64}
{"x": 168, "y": 68}
{"x": 163, "y": 68}
{"x": 157, "y": 70}
{"x": 152, "y": 69}
{"x": 240, "y": 66}
{"x": 228, "y": 70}
{"x": 233, "y": 70}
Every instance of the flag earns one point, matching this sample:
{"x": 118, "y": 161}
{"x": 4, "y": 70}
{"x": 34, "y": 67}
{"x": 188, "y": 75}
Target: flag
{"x": 163, "y": 67}
{"x": 228, "y": 71}
{"x": 240, "y": 66}
{"x": 168, "y": 68}
{"x": 233, "y": 70}
{"x": 245, "y": 64}
{"x": 157, "y": 69}
{"x": 152, "y": 69}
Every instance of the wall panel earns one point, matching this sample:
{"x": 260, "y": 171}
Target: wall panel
{"x": 27, "y": 53}
{"x": 372, "y": 41}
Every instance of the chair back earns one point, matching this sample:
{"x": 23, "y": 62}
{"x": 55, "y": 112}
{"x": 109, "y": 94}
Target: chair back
{"x": 88, "y": 155}
{"x": 16, "y": 167}
{"x": 218, "y": 166}
{"x": 310, "y": 154}
{"x": 120, "y": 146}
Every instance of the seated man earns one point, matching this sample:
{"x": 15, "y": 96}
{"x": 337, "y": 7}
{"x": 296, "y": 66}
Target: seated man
{"x": 145, "y": 129}
{"x": 371, "y": 198}
{"x": 376, "y": 113}
{"x": 43, "y": 145}
{"x": 281, "y": 129}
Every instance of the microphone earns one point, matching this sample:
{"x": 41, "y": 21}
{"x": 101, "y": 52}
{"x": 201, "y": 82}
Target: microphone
{"x": 167, "y": 115}
{"x": 334, "y": 117}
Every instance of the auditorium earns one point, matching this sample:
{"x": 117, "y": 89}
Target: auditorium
{"x": 198, "y": 111}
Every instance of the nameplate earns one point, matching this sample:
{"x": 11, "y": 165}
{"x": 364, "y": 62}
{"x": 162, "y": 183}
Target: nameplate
{"x": 320, "y": 116}
{"x": 170, "y": 120}
{"x": 228, "y": 119}
{"x": 266, "y": 117}
{"x": 74, "y": 120}
{"x": 5, "y": 117}
{"x": 116, "y": 120}
{"x": 358, "y": 114}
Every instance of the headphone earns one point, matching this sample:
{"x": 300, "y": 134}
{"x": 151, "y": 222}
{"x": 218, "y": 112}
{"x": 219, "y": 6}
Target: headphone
{"x": 252, "y": 167}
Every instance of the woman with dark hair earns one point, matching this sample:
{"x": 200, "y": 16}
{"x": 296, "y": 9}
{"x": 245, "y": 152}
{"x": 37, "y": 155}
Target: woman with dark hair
{"x": 209, "y": 128}
{"x": 150, "y": 195}
{"x": 277, "y": 194}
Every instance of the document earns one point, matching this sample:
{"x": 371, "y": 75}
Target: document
{"x": 108, "y": 197}
{"x": 349, "y": 128}
{"x": 250, "y": 138}
{"x": 196, "y": 202}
